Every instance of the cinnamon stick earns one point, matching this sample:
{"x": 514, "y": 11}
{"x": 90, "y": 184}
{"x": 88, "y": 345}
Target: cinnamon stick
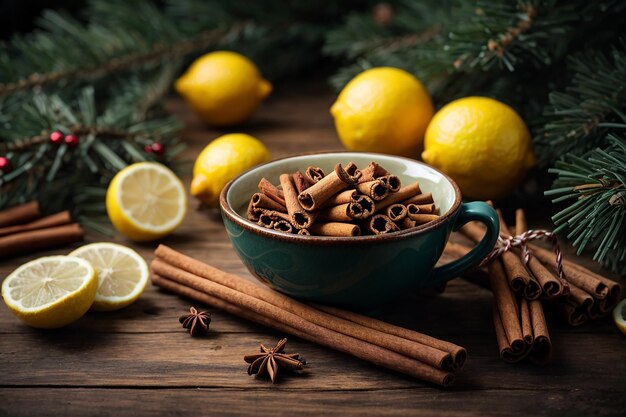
{"x": 396, "y": 212}
{"x": 28, "y": 242}
{"x": 338, "y": 213}
{"x": 405, "y": 193}
{"x": 421, "y": 218}
{"x": 20, "y": 214}
{"x": 301, "y": 182}
{"x": 260, "y": 200}
{"x": 283, "y": 226}
{"x": 380, "y": 224}
{"x": 510, "y": 352}
{"x": 392, "y": 182}
{"x": 527, "y": 327}
{"x": 298, "y": 216}
{"x": 57, "y": 219}
{"x": 168, "y": 258}
{"x": 335, "y": 229}
{"x": 328, "y": 186}
{"x": 418, "y": 199}
{"x": 407, "y": 223}
{"x": 372, "y": 172}
{"x": 339, "y": 198}
{"x": 366, "y": 204}
{"x": 421, "y": 208}
{"x": 322, "y": 335}
{"x": 314, "y": 174}
{"x": 459, "y": 354}
{"x": 374, "y": 189}
{"x": 271, "y": 191}
{"x": 541, "y": 351}
{"x": 506, "y": 305}
{"x": 517, "y": 274}
{"x": 304, "y": 232}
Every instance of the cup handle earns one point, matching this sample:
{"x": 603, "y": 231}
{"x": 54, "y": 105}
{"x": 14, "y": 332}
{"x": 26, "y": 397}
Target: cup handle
{"x": 479, "y": 211}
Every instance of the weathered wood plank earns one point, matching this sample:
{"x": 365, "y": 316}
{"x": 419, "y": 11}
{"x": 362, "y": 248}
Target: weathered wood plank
{"x": 84, "y": 358}
{"x": 276, "y": 401}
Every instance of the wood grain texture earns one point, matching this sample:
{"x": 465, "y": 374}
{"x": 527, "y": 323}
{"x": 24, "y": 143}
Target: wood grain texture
{"x": 139, "y": 359}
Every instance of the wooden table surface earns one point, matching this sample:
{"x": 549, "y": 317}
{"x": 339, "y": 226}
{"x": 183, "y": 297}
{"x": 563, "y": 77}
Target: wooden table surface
{"x": 139, "y": 361}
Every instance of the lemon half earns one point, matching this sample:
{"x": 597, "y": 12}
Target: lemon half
{"x": 51, "y": 292}
{"x": 122, "y": 274}
{"x": 146, "y": 201}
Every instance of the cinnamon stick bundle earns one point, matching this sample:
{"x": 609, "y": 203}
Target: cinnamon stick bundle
{"x": 419, "y": 355}
{"x": 25, "y": 231}
{"x": 582, "y": 294}
{"x": 345, "y": 196}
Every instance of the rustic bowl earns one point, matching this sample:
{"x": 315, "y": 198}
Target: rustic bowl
{"x": 354, "y": 272}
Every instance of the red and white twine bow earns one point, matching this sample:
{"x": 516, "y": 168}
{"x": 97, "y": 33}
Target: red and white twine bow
{"x": 506, "y": 244}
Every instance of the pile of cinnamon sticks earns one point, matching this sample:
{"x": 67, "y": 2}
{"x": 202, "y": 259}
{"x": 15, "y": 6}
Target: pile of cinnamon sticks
{"x": 518, "y": 287}
{"x": 346, "y": 202}
{"x": 23, "y": 229}
{"x": 383, "y": 344}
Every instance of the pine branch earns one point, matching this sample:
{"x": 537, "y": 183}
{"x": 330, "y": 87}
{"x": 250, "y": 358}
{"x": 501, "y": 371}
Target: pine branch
{"x": 579, "y": 118}
{"x": 595, "y": 185}
{"x": 117, "y": 54}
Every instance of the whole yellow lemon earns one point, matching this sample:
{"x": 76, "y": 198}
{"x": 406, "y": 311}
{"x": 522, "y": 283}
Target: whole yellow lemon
{"x": 221, "y": 161}
{"x": 224, "y": 88}
{"x": 383, "y": 110}
{"x": 482, "y": 144}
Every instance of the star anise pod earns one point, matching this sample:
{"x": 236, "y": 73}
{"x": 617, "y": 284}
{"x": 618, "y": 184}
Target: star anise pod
{"x": 270, "y": 360}
{"x": 196, "y": 321}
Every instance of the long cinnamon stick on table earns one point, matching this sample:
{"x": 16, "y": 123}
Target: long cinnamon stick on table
{"x": 298, "y": 216}
{"x": 422, "y": 349}
{"x": 459, "y": 354}
{"x": 338, "y": 180}
{"x": 57, "y": 219}
{"x": 20, "y": 214}
{"x": 27, "y": 242}
{"x": 324, "y": 336}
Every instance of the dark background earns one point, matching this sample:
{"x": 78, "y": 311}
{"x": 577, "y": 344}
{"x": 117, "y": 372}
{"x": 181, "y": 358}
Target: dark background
{"x": 19, "y": 16}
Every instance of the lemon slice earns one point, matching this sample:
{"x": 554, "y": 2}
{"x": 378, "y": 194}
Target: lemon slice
{"x": 51, "y": 292}
{"x": 146, "y": 201}
{"x": 619, "y": 316}
{"x": 122, "y": 274}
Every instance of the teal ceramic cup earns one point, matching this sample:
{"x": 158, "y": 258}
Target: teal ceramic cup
{"x": 354, "y": 272}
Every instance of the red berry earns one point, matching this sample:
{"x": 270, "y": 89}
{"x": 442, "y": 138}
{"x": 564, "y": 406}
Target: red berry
{"x": 158, "y": 148}
{"x": 147, "y": 149}
{"x": 56, "y": 137}
{"x": 71, "y": 141}
{"x": 5, "y": 165}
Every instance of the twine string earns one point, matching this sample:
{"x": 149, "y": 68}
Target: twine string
{"x": 521, "y": 241}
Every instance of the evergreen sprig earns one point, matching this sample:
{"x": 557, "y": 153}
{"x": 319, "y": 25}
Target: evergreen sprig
{"x": 580, "y": 117}
{"x": 595, "y": 185}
